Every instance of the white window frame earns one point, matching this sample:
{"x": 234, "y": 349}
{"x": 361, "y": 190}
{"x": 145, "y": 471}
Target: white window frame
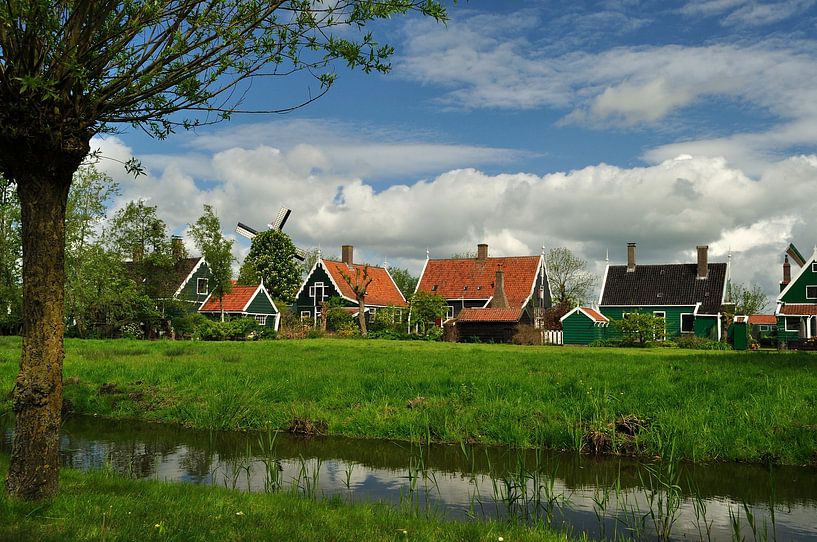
{"x": 786, "y": 323}
{"x": 681, "y": 322}
{"x": 449, "y": 313}
{"x": 206, "y": 290}
{"x": 763, "y": 327}
{"x": 261, "y": 319}
{"x": 305, "y": 315}
{"x": 815, "y": 291}
{"x": 814, "y": 267}
{"x": 664, "y": 318}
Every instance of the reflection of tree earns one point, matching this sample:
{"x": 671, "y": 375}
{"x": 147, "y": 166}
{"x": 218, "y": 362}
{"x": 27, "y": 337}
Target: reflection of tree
{"x": 197, "y": 463}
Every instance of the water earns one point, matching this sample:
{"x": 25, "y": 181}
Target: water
{"x": 604, "y": 497}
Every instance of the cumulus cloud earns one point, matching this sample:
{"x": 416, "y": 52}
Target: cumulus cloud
{"x": 668, "y": 208}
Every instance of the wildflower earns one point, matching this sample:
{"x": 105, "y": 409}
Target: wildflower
{"x": 157, "y": 526}
{"x": 239, "y": 513}
{"x": 500, "y": 539}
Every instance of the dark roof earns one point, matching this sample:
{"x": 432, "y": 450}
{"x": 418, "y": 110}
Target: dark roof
{"x": 668, "y": 284}
{"x": 161, "y": 284}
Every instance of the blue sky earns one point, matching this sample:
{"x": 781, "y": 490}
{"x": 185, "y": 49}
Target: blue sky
{"x": 523, "y": 123}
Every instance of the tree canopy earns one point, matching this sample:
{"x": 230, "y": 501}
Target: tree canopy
{"x": 217, "y": 252}
{"x": 272, "y": 259}
{"x": 570, "y": 281}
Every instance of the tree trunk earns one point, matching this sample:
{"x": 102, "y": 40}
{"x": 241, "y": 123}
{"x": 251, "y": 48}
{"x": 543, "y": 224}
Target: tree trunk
{"x": 361, "y": 316}
{"x": 34, "y": 469}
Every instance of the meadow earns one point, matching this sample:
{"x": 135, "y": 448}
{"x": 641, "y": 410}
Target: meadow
{"x": 708, "y": 405}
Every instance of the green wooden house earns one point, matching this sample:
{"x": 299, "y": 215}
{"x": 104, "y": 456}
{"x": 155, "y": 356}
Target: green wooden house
{"x": 583, "y": 325}
{"x": 253, "y": 301}
{"x": 194, "y": 284}
{"x": 688, "y": 297}
{"x": 797, "y": 303}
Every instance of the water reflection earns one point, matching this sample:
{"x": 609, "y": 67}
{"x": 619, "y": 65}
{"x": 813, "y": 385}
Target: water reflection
{"x": 604, "y": 497}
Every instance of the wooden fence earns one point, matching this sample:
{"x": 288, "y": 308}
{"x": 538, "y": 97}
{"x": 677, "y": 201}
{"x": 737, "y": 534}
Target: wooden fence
{"x": 551, "y": 336}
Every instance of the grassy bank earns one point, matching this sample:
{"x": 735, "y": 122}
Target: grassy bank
{"x": 712, "y": 405}
{"x": 101, "y": 506}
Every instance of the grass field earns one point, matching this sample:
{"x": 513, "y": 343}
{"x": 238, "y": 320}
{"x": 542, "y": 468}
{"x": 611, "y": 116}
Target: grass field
{"x": 101, "y": 506}
{"x": 745, "y": 406}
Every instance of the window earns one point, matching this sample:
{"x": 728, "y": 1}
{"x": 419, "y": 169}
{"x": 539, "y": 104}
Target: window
{"x": 306, "y": 315}
{"x": 450, "y": 312}
{"x": 661, "y": 329}
{"x": 811, "y": 292}
{"x": 261, "y": 319}
{"x": 763, "y": 327}
{"x": 687, "y": 323}
{"x": 202, "y": 287}
{"x": 792, "y": 323}
{"x": 814, "y": 267}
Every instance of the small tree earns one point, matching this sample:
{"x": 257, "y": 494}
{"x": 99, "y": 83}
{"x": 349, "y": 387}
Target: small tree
{"x": 569, "y": 279}
{"x": 641, "y": 327}
{"x": 427, "y": 308}
{"x": 359, "y": 285}
{"x": 217, "y": 252}
{"x": 272, "y": 260}
{"x": 749, "y": 299}
{"x": 405, "y": 281}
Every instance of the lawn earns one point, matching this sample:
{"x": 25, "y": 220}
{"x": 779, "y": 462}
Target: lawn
{"x": 709, "y": 405}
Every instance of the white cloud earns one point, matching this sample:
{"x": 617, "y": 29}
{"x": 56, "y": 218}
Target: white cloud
{"x": 668, "y": 208}
{"x": 747, "y": 12}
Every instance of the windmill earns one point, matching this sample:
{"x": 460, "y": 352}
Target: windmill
{"x": 277, "y": 224}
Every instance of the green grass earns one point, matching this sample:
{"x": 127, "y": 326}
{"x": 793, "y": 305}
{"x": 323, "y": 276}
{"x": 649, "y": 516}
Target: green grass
{"x": 101, "y": 506}
{"x": 745, "y": 406}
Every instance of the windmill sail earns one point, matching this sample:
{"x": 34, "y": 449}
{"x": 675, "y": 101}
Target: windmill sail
{"x": 280, "y": 220}
{"x": 246, "y": 231}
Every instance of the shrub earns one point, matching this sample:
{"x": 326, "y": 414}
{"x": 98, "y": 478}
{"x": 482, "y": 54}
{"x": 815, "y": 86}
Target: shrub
{"x": 699, "y": 343}
{"x": 235, "y": 329}
{"x": 185, "y": 325}
{"x": 527, "y": 335}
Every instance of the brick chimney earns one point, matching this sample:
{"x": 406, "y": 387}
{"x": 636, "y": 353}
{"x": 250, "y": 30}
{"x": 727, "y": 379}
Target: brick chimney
{"x": 703, "y": 263}
{"x": 630, "y": 257}
{"x": 347, "y": 254}
{"x": 786, "y": 273}
{"x": 500, "y": 300}
{"x": 482, "y": 252}
{"x": 177, "y": 248}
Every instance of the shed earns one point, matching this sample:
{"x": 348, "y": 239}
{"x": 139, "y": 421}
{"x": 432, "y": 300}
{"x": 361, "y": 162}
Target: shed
{"x": 252, "y": 301}
{"x": 583, "y": 325}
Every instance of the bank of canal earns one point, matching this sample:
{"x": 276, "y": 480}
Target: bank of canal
{"x": 601, "y": 496}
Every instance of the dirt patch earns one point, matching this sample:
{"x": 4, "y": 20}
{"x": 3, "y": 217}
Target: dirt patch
{"x": 307, "y": 427}
{"x": 630, "y": 425}
{"x": 416, "y": 402}
{"x": 109, "y": 388}
{"x": 136, "y": 396}
{"x": 598, "y": 442}
{"x": 72, "y": 381}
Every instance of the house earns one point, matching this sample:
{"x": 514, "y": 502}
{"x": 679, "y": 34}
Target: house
{"x": 584, "y": 325}
{"x": 689, "y": 297}
{"x": 489, "y": 297}
{"x": 326, "y": 280}
{"x": 252, "y": 301}
{"x": 797, "y": 302}
{"x": 763, "y": 328}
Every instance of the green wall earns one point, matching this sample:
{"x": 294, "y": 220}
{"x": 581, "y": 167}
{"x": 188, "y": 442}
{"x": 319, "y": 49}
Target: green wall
{"x": 306, "y": 303}
{"x": 261, "y": 305}
{"x": 188, "y": 293}
{"x": 673, "y": 317}
{"x": 797, "y": 293}
{"x": 579, "y": 329}
{"x": 706, "y": 327}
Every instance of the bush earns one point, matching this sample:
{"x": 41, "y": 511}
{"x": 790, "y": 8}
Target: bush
{"x": 699, "y": 343}
{"x": 235, "y": 329}
{"x": 527, "y": 335}
{"x": 185, "y": 325}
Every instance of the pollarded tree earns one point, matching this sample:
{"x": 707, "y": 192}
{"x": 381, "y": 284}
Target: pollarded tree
{"x": 70, "y": 70}
{"x": 359, "y": 283}
{"x": 271, "y": 259}
{"x": 570, "y": 281}
{"x": 217, "y": 252}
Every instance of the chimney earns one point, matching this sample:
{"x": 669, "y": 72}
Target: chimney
{"x": 482, "y": 252}
{"x": 630, "y": 257}
{"x": 347, "y": 254}
{"x": 703, "y": 264}
{"x": 177, "y": 248}
{"x": 786, "y": 273}
{"x": 499, "y": 301}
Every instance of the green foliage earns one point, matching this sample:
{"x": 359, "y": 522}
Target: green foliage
{"x": 405, "y": 281}
{"x": 11, "y": 254}
{"x": 426, "y": 308}
{"x": 216, "y": 250}
{"x": 233, "y": 329}
{"x": 751, "y": 299}
{"x": 570, "y": 281}
{"x": 689, "y": 341}
{"x": 271, "y": 259}
{"x": 339, "y": 320}
{"x": 638, "y": 328}
{"x": 393, "y": 319}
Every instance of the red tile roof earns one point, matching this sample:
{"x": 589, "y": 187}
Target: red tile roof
{"x": 235, "y": 301}
{"x": 470, "y": 278}
{"x": 382, "y": 291}
{"x": 489, "y": 315}
{"x": 595, "y": 315}
{"x": 798, "y": 310}
{"x": 763, "y": 319}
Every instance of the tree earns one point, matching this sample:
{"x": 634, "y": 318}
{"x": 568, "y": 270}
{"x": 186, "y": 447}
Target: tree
{"x": 569, "y": 279}
{"x": 427, "y": 308}
{"x": 272, "y": 260}
{"x": 640, "y": 327}
{"x": 405, "y": 281}
{"x": 359, "y": 285}
{"x": 749, "y": 299}
{"x": 11, "y": 252}
{"x": 72, "y": 70}
{"x": 217, "y": 252}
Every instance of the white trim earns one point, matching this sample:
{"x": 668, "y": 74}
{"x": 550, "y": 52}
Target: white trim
{"x": 386, "y": 269}
{"x": 420, "y": 280}
{"x": 808, "y": 265}
{"x": 581, "y": 310}
{"x": 814, "y": 267}
{"x": 306, "y": 280}
{"x": 810, "y": 286}
{"x": 786, "y": 324}
{"x": 726, "y": 281}
{"x": 203, "y": 303}
{"x": 656, "y": 305}
{"x": 488, "y": 302}
{"x": 190, "y": 275}
{"x": 260, "y": 288}
{"x": 720, "y": 326}
{"x": 206, "y": 285}
{"x": 603, "y": 284}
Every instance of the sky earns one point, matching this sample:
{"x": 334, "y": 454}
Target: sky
{"x": 525, "y": 124}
